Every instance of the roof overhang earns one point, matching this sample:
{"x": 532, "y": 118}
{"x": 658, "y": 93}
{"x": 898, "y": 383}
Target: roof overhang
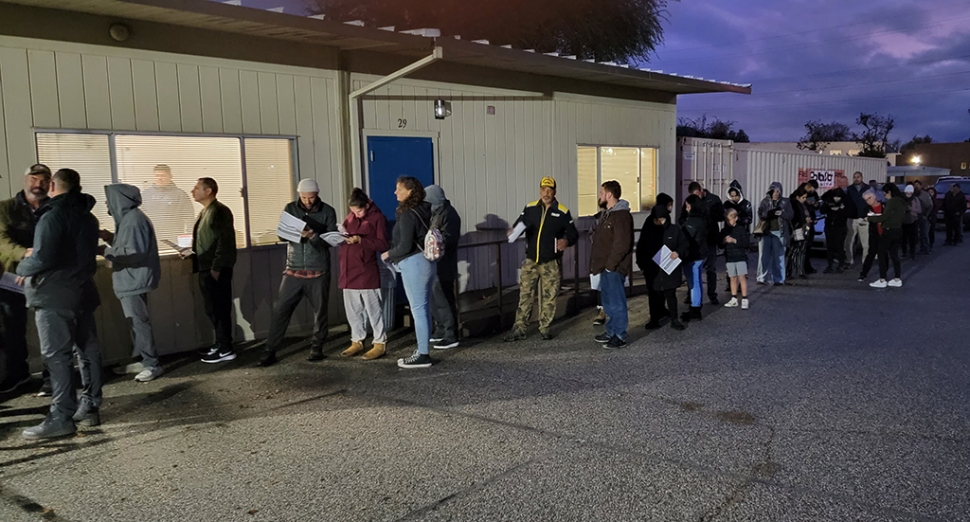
{"x": 215, "y": 16}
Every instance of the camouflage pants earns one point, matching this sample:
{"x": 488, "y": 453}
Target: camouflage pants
{"x": 546, "y": 276}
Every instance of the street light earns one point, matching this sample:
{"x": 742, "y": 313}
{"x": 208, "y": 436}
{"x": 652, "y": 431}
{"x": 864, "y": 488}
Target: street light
{"x": 916, "y": 160}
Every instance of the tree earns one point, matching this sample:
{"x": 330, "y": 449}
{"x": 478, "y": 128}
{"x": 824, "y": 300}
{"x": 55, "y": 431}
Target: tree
{"x": 914, "y": 142}
{"x": 819, "y": 135}
{"x": 604, "y": 30}
{"x": 875, "y": 138}
{"x": 716, "y": 129}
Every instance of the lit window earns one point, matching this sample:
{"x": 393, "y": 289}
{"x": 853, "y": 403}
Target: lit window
{"x": 166, "y": 167}
{"x": 634, "y": 168}
{"x": 963, "y": 166}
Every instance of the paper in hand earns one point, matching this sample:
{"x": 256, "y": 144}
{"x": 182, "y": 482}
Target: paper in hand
{"x": 290, "y": 227}
{"x": 334, "y": 238}
{"x": 178, "y": 247}
{"x": 663, "y": 259}
{"x": 516, "y": 232}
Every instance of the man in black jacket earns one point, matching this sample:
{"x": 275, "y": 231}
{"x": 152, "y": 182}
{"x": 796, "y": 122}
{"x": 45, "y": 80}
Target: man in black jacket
{"x": 712, "y": 208}
{"x": 549, "y": 229}
{"x": 954, "y": 207}
{"x": 58, "y": 280}
{"x": 18, "y": 218}
{"x": 444, "y": 304}
{"x": 857, "y": 225}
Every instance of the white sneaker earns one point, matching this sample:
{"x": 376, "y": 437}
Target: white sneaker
{"x": 744, "y": 304}
{"x": 137, "y": 367}
{"x": 896, "y": 283}
{"x": 733, "y": 303}
{"x": 879, "y": 284}
{"x": 149, "y": 374}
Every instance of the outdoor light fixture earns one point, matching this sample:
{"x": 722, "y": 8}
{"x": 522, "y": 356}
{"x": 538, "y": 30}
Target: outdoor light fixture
{"x": 119, "y": 32}
{"x": 442, "y": 109}
{"x": 916, "y": 160}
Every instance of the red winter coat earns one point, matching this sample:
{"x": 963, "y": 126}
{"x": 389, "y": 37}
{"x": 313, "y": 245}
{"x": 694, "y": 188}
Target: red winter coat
{"x": 358, "y": 262}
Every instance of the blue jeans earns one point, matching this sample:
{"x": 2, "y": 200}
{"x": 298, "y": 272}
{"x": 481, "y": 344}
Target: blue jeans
{"x": 773, "y": 258}
{"x": 418, "y": 276}
{"x": 694, "y": 284}
{"x": 613, "y": 294}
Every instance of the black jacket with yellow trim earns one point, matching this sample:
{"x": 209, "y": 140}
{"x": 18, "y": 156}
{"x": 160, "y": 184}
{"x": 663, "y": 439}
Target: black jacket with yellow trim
{"x": 543, "y": 227}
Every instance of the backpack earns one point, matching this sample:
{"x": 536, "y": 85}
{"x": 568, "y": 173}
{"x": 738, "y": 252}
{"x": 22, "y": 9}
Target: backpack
{"x": 434, "y": 242}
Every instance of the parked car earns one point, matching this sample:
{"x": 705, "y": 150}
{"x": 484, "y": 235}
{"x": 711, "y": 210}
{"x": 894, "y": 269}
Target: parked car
{"x": 818, "y": 243}
{"x": 942, "y": 187}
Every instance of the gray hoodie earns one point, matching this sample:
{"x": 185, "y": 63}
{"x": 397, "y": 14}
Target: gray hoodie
{"x": 133, "y": 253}
{"x": 768, "y": 207}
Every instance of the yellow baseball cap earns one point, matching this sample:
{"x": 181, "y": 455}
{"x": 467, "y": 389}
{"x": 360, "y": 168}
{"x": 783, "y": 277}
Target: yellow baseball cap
{"x": 548, "y": 182}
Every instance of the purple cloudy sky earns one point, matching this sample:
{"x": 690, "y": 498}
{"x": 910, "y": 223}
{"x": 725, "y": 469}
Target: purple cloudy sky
{"x": 817, "y": 59}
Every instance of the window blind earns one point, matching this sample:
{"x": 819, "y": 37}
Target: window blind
{"x": 89, "y": 155}
{"x": 269, "y": 186}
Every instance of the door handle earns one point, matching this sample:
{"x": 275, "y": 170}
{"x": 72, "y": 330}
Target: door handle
{"x": 372, "y": 156}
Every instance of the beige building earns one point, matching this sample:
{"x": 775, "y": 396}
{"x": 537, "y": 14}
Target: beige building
{"x": 260, "y": 99}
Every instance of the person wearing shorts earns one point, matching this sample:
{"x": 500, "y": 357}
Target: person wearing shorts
{"x": 736, "y": 239}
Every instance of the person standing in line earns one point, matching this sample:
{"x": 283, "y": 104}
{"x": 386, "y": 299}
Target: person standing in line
{"x": 800, "y": 223}
{"x": 135, "y": 272}
{"x": 812, "y": 203}
{"x": 931, "y": 219}
{"x": 736, "y": 240}
{"x": 360, "y": 275}
{"x": 307, "y": 273}
{"x": 549, "y": 230}
{"x": 736, "y": 201}
{"x": 857, "y": 225}
{"x": 891, "y": 219}
{"x": 18, "y": 220}
{"x": 695, "y": 228}
{"x": 57, "y": 275}
{"x": 612, "y": 259}
{"x": 777, "y": 212}
{"x": 713, "y": 211}
{"x": 168, "y": 206}
{"x": 923, "y": 225}
{"x": 444, "y": 298}
{"x": 659, "y": 232}
{"x": 213, "y": 257}
{"x": 875, "y": 232}
{"x": 954, "y": 207}
{"x": 417, "y": 272}
{"x": 914, "y": 209}
{"x": 835, "y": 210}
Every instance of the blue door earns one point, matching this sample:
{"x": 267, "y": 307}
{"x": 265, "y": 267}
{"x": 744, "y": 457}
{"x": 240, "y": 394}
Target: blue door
{"x": 391, "y": 157}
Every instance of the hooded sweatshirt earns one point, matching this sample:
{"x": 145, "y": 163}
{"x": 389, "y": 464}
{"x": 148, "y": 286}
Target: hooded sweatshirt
{"x": 652, "y": 239}
{"x": 613, "y": 241}
{"x": 135, "y": 267}
{"x": 769, "y": 209}
{"x": 446, "y": 218}
{"x": 836, "y": 212}
{"x": 742, "y": 207}
{"x": 61, "y": 269}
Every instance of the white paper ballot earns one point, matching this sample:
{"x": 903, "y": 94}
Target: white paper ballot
{"x": 594, "y": 281}
{"x": 185, "y": 240}
{"x": 663, "y": 259}
{"x": 290, "y": 227}
{"x": 9, "y": 282}
{"x": 516, "y": 232}
{"x": 334, "y": 238}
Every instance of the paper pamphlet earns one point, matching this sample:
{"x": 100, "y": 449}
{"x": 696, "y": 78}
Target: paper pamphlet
{"x": 334, "y": 238}
{"x": 9, "y": 282}
{"x": 391, "y": 266}
{"x": 662, "y": 258}
{"x": 516, "y": 232}
{"x": 290, "y": 227}
{"x": 594, "y": 281}
{"x": 185, "y": 241}
{"x": 178, "y": 246}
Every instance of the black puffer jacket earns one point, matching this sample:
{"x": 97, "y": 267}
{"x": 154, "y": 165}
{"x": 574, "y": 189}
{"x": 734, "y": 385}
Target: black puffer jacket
{"x": 743, "y": 207}
{"x": 652, "y": 239}
{"x": 407, "y": 237}
{"x": 838, "y": 212}
{"x": 695, "y": 228}
{"x": 737, "y": 251}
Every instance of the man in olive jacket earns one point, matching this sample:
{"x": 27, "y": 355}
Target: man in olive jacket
{"x": 18, "y": 218}
{"x": 612, "y": 259}
{"x": 307, "y": 273}
{"x": 213, "y": 256}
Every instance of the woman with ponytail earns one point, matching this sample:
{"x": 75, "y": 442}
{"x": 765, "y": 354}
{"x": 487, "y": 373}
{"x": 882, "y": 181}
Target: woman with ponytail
{"x": 360, "y": 276}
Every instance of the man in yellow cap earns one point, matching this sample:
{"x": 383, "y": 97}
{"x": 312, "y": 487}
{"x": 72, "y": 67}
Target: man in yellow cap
{"x": 548, "y": 231}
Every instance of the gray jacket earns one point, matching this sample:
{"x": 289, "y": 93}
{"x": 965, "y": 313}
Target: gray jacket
{"x": 311, "y": 254}
{"x": 926, "y": 202}
{"x": 135, "y": 267}
{"x": 768, "y": 207}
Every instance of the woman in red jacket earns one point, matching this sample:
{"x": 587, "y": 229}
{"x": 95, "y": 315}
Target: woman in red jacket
{"x": 360, "y": 275}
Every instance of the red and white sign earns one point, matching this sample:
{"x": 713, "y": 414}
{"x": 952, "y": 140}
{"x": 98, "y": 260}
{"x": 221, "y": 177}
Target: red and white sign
{"x": 826, "y": 178}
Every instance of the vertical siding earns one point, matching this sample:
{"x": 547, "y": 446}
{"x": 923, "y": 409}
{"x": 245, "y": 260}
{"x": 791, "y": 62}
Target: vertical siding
{"x": 54, "y": 85}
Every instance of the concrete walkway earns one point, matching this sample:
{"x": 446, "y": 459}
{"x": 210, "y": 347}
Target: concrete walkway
{"x": 825, "y": 401}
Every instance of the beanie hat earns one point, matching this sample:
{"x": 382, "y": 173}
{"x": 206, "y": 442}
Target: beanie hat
{"x": 308, "y": 185}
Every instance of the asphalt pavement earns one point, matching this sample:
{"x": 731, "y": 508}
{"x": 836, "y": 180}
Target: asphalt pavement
{"x": 826, "y": 401}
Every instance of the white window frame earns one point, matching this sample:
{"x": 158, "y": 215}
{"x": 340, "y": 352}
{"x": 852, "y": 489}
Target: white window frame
{"x": 294, "y": 161}
{"x": 599, "y": 168}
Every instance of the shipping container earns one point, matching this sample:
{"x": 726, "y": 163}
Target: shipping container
{"x": 709, "y": 162}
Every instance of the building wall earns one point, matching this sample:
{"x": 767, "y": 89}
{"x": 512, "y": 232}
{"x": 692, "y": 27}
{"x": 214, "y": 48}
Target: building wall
{"x": 953, "y": 156}
{"x": 54, "y": 85}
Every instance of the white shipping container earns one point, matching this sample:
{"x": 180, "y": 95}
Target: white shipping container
{"x": 709, "y": 162}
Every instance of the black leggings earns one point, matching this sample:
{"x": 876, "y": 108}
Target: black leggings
{"x": 796, "y": 259}
{"x": 889, "y": 243}
{"x": 656, "y": 300}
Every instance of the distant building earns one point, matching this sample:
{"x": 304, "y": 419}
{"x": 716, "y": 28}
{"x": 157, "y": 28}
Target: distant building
{"x": 953, "y": 156}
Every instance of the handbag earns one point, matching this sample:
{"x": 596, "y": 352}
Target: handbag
{"x": 798, "y": 234}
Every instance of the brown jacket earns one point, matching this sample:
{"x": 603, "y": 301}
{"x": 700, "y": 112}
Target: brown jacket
{"x": 613, "y": 241}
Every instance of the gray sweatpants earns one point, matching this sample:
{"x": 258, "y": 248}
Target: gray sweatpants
{"x": 363, "y": 306}
{"x": 135, "y": 308}
{"x": 56, "y": 329}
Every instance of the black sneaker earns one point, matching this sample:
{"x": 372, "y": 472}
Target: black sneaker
{"x": 220, "y": 355}
{"x": 437, "y": 337}
{"x": 677, "y": 325}
{"x": 615, "y": 343}
{"x": 602, "y": 338}
{"x": 714, "y": 300}
{"x": 11, "y": 384}
{"x": 316, "y": 354}
{"x": 444, "y": 344}
{"x": 207, "y": 350}
{"x": 417, "y": 360}
{"x": 268, "y": 358}
{"x": 652, "y": 325}
{"x": 546, "y": 335}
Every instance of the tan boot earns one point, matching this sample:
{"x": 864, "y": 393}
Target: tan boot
{"x": 376, "y": 351}
{"x": 354, "y": 349}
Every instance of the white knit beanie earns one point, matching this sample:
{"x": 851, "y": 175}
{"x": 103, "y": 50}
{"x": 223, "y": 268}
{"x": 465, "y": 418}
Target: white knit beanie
{"x": 308, "y": 185}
